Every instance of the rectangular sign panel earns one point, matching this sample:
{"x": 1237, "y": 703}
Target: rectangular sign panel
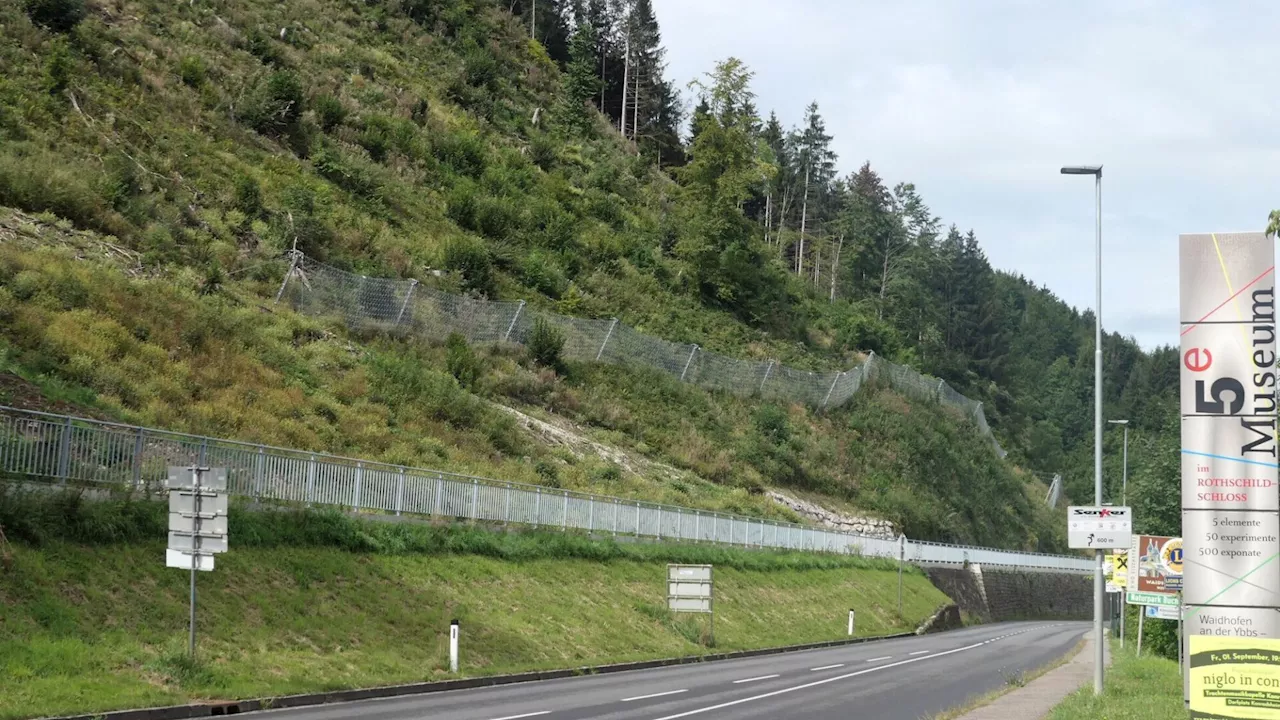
{"x": 176, "y": 559}
{"x": 208, "y": 543}
{"x": 1141, "y": 598}
{"x": 689, "y": 572}
{"x": 185, "y": 502}
{"x": 184, "y": 478}
{"x": 1230, "y": 499}
{"x": 1234, "y": 678}
{"x": 689, "y": 604}
{"x": 1098, "y": 528}
{"x": 1152, "y": 560}
{"x": 1162, "y": 612}
{"x": 179, "y": 523}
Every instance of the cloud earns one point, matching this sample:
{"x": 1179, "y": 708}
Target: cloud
{"x": 980, "y": 102}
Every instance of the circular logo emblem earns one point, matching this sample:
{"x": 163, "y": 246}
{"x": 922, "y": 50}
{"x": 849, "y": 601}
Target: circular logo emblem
{"x": 1171, "y": 556}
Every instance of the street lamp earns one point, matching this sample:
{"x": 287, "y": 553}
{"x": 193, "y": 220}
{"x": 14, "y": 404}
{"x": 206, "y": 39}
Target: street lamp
{"x": 1124, "y": 487}
{"x": 1099, "y": 588}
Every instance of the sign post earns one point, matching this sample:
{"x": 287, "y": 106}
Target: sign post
{"x": 1120, "y": 578}
{"x": 1230, "y": 503}
{"x": 197, "y": 525}
{"x": 689, "y": 590}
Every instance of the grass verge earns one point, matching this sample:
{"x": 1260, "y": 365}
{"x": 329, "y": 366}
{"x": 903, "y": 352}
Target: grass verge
{"x": 1013, "y": 682}
{"x": 290, "y": 609}
{"x": 1145, "y": 688}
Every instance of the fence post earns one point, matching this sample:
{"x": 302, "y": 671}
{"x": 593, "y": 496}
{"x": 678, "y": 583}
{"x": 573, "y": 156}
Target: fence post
{"x": 439, "y": 496}
{"x": 506, "y": 508}
{"x": 591, "y": 514}
{"x": 258, "y": 473}
{"x": 688, "y": 362}
{"x": 512, "y": 326}
{"x": 766, "y": 376}
{"x": 715, "y": 527}
{"x": 137, "y": 458}
{"x": 697, "y": 526}
{"x": 407, "y": 296}
{"x": 204, "y": 450}
{"x": 831, "y": 389}
{"x": 564, "y": 514}
{"x": 637, "y": 519}
{"x": 615, "y": 517}
{"x": 607, "y": 335}
{"x": 659, "y": 522}
{"x": 537, "y": 506}
{"x": 400, "y": 492}
{"x": 355, "y": 500}
{"x": 64, "y": 450}
{"x": 294, "y": 255}
{"x": 475, "y": 500}
{"x": 311, "y": 476}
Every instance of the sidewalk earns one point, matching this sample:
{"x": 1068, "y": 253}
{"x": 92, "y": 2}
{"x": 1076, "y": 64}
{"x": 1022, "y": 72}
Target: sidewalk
{"x": 1040, "y": 696}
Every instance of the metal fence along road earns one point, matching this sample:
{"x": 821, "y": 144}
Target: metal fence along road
{"x": 83, "y": 451}
{"x": 315, "y": 288}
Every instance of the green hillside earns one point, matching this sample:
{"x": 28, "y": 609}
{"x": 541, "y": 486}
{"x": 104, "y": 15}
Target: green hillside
{"x": 90, "y": 619}
{"x": 161, "y": 157}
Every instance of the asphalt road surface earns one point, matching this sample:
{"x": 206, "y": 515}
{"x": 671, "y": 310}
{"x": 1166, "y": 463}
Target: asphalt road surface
{"x": 903, "y": 679}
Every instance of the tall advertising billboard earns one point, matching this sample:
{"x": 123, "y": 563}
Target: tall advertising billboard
{"x": 1230, "y": 497}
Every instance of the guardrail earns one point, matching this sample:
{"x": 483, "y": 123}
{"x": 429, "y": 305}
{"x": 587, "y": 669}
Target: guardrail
{"x": 67, "y": 448}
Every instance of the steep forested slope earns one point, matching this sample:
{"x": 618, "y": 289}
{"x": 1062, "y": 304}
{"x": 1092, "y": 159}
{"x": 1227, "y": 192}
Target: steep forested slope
{"x": 197, "y": 142}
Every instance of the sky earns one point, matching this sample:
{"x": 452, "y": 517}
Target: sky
{"x": 980, "y": 102}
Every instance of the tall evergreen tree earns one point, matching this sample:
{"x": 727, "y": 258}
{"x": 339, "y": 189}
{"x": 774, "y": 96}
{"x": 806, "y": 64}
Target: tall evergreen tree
{"x": 816, "y": 163}
{"x": 580, "y": 84}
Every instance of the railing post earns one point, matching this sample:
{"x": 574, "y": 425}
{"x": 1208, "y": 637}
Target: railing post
{"x": 564, "y": 514}
{"x": 591, "y": 514}
{"x": 475, "y": 500}
{"x": 400, "y": 492}
{"x": 688, "y": 362}
{"x": 64, "y": 450}
{"x": 512, "y": 326}
{"x": 715, "y": 527}
{"x": 697, "y": 526}
{"x": 607, "y": 335}
{"x": 537, "y": 506}
{"x": 766, "y": 376}
{"x": 204, "y": 451}
{"x": 831, "y": 389}
{"x": 659, "y": 522}
{"x": 137, "y": 458}
{"x": 506, "y": 507}
{"x": 407, "y": 296}
{"x": 259, "y": 472}
{"x": 355, "y": 500}
{"x": 616, "y": 504}
{"x": 311, "y": 476}
{"x": 439, "y": 495}
{"x": 637, "y": 519}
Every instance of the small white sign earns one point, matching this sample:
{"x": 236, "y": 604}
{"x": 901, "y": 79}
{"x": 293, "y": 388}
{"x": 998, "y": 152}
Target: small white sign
{"x": 1162, "y": 612}
{"x": 689, "y": 588}
{"x": 1099, "y": 528}
{"x": 177, "y": 559}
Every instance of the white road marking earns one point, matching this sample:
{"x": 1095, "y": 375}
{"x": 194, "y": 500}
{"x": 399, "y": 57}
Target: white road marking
{"x": 886, "y": 657}
{"x": 919, "y": 652}
{"x": 517, "y": 717}
{"x": 816, "y": 683}
{"x": 762, "y": 677}
{"x": 826, "y": 667}
{"x": 646, "y": 697}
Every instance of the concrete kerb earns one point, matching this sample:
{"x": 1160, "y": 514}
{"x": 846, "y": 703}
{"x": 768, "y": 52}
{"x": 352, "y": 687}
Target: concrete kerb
{"x": 235, "y": 707}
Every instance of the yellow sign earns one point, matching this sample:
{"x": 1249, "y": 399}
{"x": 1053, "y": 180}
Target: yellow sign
{"x": 1120, "y": 561}
{"x": 1171, "y": 556}
{"x": 1234, "y": 677}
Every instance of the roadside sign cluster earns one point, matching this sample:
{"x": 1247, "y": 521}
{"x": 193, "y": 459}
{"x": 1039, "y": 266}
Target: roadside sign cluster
{"x": 1154, "y": 575}
{"x": 197, "y": 517}
{"x": 689, "y": 588}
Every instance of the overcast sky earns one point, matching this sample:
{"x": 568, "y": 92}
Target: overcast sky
{"x": 979, "y": 102}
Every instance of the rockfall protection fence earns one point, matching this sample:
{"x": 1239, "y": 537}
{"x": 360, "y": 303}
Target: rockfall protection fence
{"x": 315, "y": 288}
{"x": 81, "y": 451}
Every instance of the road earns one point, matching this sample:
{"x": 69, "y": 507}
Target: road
{"x": 902, "y": 679}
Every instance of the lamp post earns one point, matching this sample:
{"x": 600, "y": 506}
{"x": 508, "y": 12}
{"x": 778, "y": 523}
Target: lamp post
{"x": 1124, "y": 484}
{"x": 1099, "y": 588}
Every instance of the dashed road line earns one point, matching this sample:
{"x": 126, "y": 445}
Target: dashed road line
{"x": 886, "y": 657}
{"x": 654, "y": 695}
{"x": 826, "y": 667}
{"x": 919, "y": 652}
{"x": 753, "y": 679}
{"x": 526, "y": 715}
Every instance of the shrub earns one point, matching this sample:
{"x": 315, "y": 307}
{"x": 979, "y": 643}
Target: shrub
{"x": 58, "y": 69}
{"x": 548, "y": 472}
{"x": 545, "y": 344}
{"x": 248, "y": 196}
{"x": 274, "y": 105}
{"x": 468, "y": 256}
{"x": 192, "y": 71}
{"x": 56, "y": 15}
{"x": 330, "y": 112}
{"x": 461, "y": 360}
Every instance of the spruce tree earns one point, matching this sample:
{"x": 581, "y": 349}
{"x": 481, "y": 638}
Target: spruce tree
{"x": 581, "y": 85}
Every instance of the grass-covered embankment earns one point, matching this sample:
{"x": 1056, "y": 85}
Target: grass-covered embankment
{"x": 90, "y": 619}
{"x": 1137, "y": 688}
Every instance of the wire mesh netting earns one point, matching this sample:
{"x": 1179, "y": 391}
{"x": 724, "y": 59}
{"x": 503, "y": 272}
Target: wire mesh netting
{"x": 82, "y": 451}
{"x": 315, "y": 288}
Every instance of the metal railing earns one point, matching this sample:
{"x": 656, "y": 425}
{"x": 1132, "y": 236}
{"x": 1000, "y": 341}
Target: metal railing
{"x": 314, "y": 288}
{"x": 72, "y": 449}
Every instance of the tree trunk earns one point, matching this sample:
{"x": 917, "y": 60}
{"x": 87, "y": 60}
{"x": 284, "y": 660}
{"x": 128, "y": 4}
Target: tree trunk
{"x": 884, "y": 282}
{"x": 626, "y": 81}
{"x": 804, "y": 217}
{"x": 835, "y": 265}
